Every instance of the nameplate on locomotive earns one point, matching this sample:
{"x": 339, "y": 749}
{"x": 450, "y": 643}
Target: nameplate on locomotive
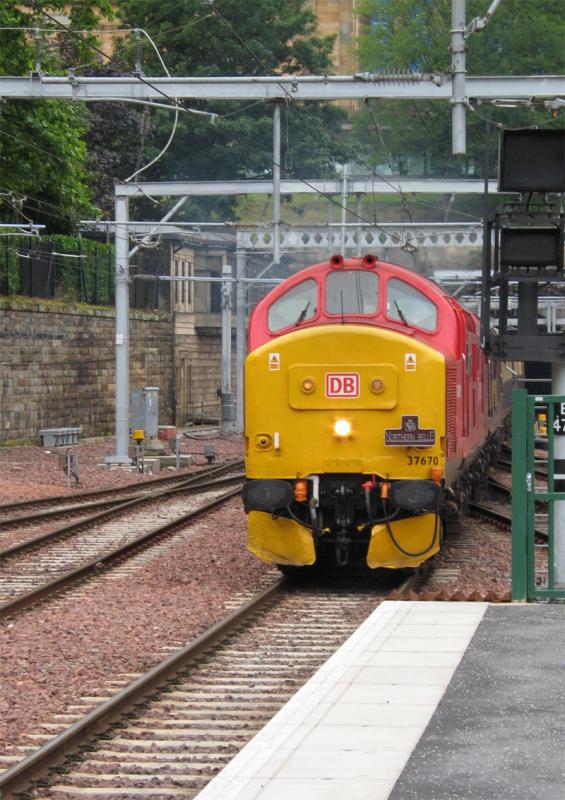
{"x": 410, "y": 434}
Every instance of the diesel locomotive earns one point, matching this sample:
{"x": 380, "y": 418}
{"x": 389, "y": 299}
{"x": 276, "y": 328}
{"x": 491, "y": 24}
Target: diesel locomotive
{"x": 371, "y": 414}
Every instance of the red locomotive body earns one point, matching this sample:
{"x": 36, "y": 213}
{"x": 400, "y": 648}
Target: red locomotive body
{"x": 393, "y": 329}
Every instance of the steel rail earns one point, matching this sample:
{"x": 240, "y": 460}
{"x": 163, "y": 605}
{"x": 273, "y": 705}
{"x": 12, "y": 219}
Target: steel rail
{"x": 118, "y": 490}
{"x": 65, "y": 510}
{"x": 491, "y": 513}
{"x": 497, "y": 516}
{"x": 540, "y": 472}
{"x": 18, "y": 777}
{"x": 499, "y": 487}
{"x": 76, "y": 525}
{"x": 94, "y": 565}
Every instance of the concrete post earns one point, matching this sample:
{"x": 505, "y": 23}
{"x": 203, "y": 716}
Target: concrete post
{"x": 277, "y": 183}
{"x": 343, "y": 208}
{"x": 330, "y": 233}
{"x": 241, "y": 334}
{"x": 358, "y": 214}
{"x": 459, "y": 71}
{"x": 122, "y": 334}
{"x": 226, "y": 424}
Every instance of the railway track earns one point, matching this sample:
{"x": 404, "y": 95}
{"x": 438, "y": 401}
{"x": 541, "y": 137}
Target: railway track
{"x": 500, "y": 518}
{"x": 63, "y": 505}
{"x": 19, "y": 526}
{"x": 99, "y": 542}
{"x": 540, "y": 471}
{"x": 165, "y": 734}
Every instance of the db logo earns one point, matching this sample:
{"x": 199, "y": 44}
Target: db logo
{"x": 342, "y": 384}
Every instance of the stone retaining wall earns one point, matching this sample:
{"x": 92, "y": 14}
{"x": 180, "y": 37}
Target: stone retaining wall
{"x": 57, "y": 366}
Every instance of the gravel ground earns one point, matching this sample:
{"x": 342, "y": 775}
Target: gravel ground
{"x": 28, "y": 472}
{"x": 485, "y": 563}
{"x": 52, "y": 654}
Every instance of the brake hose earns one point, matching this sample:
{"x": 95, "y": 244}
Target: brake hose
{"x": 420, "y": 552}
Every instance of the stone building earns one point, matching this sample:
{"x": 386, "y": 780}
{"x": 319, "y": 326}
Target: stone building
{"x": 57, "y": 356}
{"x": 339, "y": 18}
{"x": 196, "y": 314}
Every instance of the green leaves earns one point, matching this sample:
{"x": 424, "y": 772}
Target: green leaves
{"x": 524, "y": 37}
{"x": 237, "y": 37}
{"x": 43, "y": 153}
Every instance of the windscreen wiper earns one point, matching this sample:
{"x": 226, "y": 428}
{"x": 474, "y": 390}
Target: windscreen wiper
{"x": 303, "y": 313}
{"x": 400, "y": 314}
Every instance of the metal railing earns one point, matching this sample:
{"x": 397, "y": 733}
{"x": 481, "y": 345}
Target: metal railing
{"x": 538, "y": 496}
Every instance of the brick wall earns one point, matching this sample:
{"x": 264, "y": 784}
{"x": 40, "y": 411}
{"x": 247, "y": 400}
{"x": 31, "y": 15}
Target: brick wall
{"x": 57, "y": 366}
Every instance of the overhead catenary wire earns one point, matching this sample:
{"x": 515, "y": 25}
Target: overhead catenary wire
{"x": 402, "y": 194}
{"x": 408, "y": 246}
{"x": 25, "y": 197}
{"x": 175, "y": 123}
{"x": 512, "y": 104}
{"x": 124, "y": 48}
{"x": 231, "y": 137}
{"x": 259, "y": 61}
{"x": 242, "y": 41}
{"x": 290, "y": 98}
{"x": 32, "y": 145}
{"x": 141, "y": 78}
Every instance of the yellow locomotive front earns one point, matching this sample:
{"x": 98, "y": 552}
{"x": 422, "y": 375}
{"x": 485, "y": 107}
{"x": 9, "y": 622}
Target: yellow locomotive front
{"x": 345, "y": 447}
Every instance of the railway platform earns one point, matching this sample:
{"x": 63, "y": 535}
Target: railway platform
{"x": 425, "y": 701}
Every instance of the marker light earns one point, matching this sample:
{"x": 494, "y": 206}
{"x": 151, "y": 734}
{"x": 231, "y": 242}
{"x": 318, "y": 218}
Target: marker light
{"x": 308, "y": 385}
{"x": 377, "y": 385}
{"x": 336, "y": 261}
{"x": 342, "y": 427}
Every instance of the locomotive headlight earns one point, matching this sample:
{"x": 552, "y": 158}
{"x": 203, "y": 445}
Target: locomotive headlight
{"x": 342, "y": 427}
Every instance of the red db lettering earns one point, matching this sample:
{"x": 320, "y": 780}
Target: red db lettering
{"x": 342, "y": 384}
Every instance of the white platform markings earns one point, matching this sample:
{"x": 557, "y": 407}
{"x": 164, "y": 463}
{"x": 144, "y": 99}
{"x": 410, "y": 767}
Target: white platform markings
{"x": 351, "y": 729}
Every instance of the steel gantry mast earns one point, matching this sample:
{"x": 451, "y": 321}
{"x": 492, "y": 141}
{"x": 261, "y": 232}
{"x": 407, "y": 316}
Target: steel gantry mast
{"x": 361, "y": 86}
{"x": 459, "y": 88}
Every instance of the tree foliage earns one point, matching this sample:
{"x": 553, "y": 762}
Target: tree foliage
{"x": 64, "y": 157}
{"x": 43, "y": 154}
{"x": 237, "y": 37}
{"x": 114, "y": 139}
{"x": 523, "y": 37}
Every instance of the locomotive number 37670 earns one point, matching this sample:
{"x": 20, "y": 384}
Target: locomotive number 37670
{"x": 432, "y": 460}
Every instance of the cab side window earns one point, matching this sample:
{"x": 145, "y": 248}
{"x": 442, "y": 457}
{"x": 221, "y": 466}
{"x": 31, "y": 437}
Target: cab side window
{"x": 408, "y": 305}
{"x": 297, "y": 305}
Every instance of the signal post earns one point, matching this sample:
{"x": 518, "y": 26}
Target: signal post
{"x": 523, "y": 248}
